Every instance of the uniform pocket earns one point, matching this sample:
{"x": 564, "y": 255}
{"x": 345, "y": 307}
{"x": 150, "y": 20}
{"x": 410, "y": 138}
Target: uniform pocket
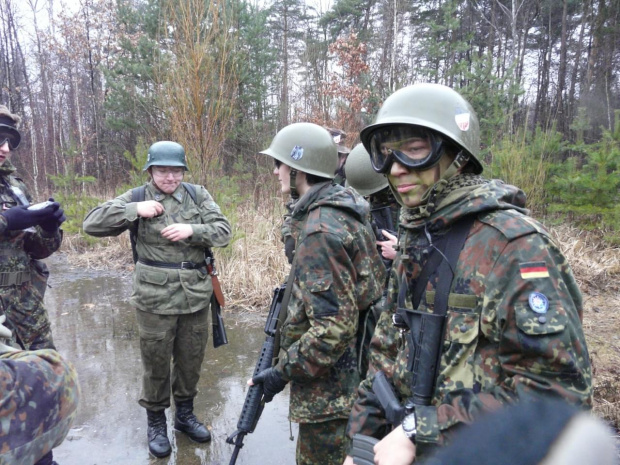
{"x": 191, "y": 216}
{"x": 322, "y": 300}
{"x": 553, "y": 321}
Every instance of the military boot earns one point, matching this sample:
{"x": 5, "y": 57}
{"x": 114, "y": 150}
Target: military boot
{"x": 159, "y": 445}
{"x": 187, "y": 423}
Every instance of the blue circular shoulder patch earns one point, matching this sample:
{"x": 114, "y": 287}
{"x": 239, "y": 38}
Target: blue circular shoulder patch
{"x": 538, "y": 302}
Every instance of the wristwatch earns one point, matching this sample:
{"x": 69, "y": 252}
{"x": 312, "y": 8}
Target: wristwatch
{"x": 409, "y": 425}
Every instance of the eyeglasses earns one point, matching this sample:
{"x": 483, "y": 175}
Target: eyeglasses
{"x": 163, "y": 172}
{"x": 11, "y": 141}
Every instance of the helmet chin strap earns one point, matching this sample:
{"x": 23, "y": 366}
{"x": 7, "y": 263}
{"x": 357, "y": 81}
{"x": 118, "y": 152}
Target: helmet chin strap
{"x": 293, "y": 184}
{"x": 461, "y": 159}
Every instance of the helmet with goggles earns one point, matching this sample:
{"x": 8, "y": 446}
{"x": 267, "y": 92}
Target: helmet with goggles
{"x": 360, "y": 174}
{"x": 166, "y": 153}
{"x": 413, "y": 114}
{"x": 8, "y": 128}
{"x": 305, "y": 147}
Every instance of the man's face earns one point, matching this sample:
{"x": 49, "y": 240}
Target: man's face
{"x": 412, "y": 184}
{"x": 283, "y": 172}
{"x": 167, "y": 178}
{"x": 5, "y": 146}
{"x": 5, "y": 152}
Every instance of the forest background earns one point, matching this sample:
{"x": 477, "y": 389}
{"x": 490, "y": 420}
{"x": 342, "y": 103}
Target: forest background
{"x": 98, "y": 81}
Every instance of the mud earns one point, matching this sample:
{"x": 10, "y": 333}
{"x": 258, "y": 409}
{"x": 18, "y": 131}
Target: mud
{"x": 95, "y": 328}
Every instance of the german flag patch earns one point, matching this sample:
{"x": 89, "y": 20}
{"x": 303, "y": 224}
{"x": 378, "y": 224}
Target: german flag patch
{"x": 533, "y": 270}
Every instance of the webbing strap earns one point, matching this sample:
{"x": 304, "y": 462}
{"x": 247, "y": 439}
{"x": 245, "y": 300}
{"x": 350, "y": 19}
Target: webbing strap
{"x": 14, "y": 278}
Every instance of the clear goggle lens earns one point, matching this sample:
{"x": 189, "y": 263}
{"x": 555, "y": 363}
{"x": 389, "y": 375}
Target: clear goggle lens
{"x": 414, "y": 147}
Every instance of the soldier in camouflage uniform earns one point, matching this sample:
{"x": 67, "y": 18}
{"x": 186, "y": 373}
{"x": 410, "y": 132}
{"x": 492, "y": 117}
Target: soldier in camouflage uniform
{"x": 40, "y": 394}
{"x": 338, "y": 276}
{"x": 513, "y": 325}
{"x": 338, "y": 136}
{"x": 171, "y": 288}
{"x": 25, "y": 236}
{"x": 384, "y": 209}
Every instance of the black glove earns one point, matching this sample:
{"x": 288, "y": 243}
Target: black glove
{"x": 21, "y": 218}
{"x": 272, "y": 383}
{"x": 58, "y": 217}
{"x": 289, "y": 248}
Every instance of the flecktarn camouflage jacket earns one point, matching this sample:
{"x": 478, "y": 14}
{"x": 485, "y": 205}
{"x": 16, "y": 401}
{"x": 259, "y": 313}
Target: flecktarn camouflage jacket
{"x": 514, "y": 316}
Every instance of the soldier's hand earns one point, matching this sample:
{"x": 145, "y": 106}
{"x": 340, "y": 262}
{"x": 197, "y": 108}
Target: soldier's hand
{"x": 395, "y": 449}
{"x": 348, "y": 461}
{"x": 5, "y": 335}
{"x": 149, "y": 209}
{"x": 387, "y": 247}
{"x": 57, "y": 218}
{"x": 177, "y": 232}
{"x": 20, "y": 217}
{"x": 272, "y": 383}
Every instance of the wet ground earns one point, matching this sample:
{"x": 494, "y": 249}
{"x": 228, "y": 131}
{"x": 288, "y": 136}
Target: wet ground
{"x": 95, "y": 328}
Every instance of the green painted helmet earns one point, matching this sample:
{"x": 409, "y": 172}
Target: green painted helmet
{"x": 360, "y": 174}
{"x": 433, "y": 106}
{"x": 305, "y": 147}
{"x": 165, "y": 153}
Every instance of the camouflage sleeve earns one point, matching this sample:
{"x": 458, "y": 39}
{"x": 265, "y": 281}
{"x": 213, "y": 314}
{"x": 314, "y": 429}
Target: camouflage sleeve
{"x": 532, "y": 312}
{"x": 215, "y": 230}
{"x": 42, "y": 244}
{"x": 326, "y": 291}
{"x": 112, "y": 217}
{"x": 40, "y": 394}
{"x": 367, "y": 417}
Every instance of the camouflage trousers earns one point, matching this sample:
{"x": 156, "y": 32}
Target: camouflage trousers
{"x": 26, "y": 317}
{"x": 180, "y": 338}
{"x": 40, "y": 395}
{"x": 322, "y": 443}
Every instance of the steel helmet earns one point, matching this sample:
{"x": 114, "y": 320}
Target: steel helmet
{"x": 360, "y": 174}
{"x": 432, "y": 106}
{"x": 306, "y": 147}
{"x": 165, "y": 153}
{"x": 8, "y": 127}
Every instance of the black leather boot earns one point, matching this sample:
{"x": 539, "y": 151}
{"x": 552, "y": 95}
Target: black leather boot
{"x": 186, "y": 422}
{"x": 159, "y": 445}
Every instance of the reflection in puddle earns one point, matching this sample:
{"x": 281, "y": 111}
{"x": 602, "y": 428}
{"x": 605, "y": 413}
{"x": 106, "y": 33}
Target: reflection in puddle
{"x": 95, "y": 328}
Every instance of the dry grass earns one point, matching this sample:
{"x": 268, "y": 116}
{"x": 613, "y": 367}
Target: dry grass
{"x": 597, "y": 270}
{"x": 254, "y": 264}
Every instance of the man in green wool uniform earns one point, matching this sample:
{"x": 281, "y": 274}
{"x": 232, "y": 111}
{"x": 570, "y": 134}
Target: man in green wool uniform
{"x": 172, "y": 288}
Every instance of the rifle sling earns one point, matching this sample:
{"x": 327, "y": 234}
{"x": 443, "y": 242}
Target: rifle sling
{"x": 284, "y": 310}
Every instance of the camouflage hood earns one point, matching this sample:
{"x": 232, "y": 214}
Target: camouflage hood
{"x": 464, "y": 194}
{"x": 7, "y": 169}
{"x": 327, "y": 194}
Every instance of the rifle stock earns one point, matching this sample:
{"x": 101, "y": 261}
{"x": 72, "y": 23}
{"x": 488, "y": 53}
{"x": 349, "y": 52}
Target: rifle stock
{"x": 363, "y": 446}
{"x": 254, "y": 400}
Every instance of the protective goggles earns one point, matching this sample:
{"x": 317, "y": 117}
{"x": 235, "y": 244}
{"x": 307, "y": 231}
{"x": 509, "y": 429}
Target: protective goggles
{"x": 414, "y": 147}
{"x": 12, "y": 140}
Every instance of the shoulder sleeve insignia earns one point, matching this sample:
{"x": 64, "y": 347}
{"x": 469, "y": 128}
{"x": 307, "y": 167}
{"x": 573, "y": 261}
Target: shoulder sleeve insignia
{"x": 533, "y": 270}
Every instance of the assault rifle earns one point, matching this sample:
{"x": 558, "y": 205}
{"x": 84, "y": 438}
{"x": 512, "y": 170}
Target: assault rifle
{"x": 363, "y": 452}
{"x": 254, "y": 400}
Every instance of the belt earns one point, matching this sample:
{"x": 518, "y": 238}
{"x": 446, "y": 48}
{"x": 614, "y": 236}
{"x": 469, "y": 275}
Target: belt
{"x": 14, "y": 278}
{"x": 178, "y": 266}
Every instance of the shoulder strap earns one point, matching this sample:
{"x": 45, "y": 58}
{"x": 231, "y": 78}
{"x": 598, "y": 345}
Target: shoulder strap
{"x": 137, "y": 195}
{"x": 443, "y": 262}
{"x": 191, "y": 190}
{"x": 454, "y": 245}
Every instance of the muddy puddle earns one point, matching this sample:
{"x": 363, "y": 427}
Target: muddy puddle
{"x": 95, "y": 328}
